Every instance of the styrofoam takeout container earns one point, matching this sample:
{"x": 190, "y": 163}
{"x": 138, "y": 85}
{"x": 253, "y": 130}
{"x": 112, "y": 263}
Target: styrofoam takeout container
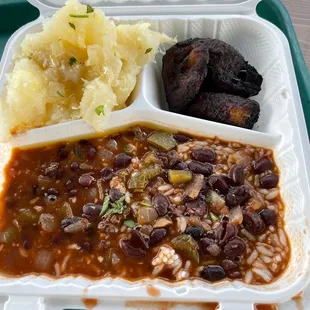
{"x": 281, "y": 127}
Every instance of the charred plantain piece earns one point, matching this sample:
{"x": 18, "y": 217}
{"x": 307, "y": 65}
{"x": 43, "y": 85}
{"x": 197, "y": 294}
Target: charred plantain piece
{"x": 228, "y": 72}
{"x": 185, "y": 67}
{"x": 225, "y": 108}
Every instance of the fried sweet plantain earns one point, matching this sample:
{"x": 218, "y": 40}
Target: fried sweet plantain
{"x": 185, "y": 67}
{"x": 228, "y": 72}
{"x": 225, "y": 108}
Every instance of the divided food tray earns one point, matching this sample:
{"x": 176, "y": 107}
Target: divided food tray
{"x": 281, "y": 127}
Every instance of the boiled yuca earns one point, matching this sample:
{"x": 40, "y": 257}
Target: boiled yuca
{"x": 81, "y": 65}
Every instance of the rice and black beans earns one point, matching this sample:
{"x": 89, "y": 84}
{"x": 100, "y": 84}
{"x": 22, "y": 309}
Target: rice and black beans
{"x": 144, "y": 203}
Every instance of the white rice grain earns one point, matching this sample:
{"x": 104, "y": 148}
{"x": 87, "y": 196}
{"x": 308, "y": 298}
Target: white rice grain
{"x": 259, "y": 264}
{"x": 187, "y": 265}
{"x": 282, "y": 237}
{"x": 266, "y": 259}
{"x": 256, "y": 180}
{"x": 170, "y": 192}
{"x": 263, "y": 191}
{"x": 248, "y": 235}
{"x": 264, "y": 251}
{"x": 158, "y": 269}
{"x": 177, "y": 267}
{"x": 164, "y": 187}
{"x": 127, "y": 197}
{"x": 276, "y": 241}
{"x": 248, "y": 277}
{"x": 272, "y": 194}
{"x": 278, "y": 258}
{"x": 264, "y": 274}
{"x": 64, "y": 263}
{"x": 252, "y": 257}
{"x": 57, "y": 269}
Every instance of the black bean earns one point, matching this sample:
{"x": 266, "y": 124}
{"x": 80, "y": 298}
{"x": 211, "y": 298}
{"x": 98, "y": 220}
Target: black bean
{"x": 219, "y": 184}
{"x": 74, "y": 166}
{"x": 269, "y": 181}
{"x": 106, "y": 174}
{"x": 236, "y": 174}
{"x": 180, "y": 138}
{"x": 92, "y": 209}
{"x": 169, "y": 159}
{"x": 214, "y": 249}
{"x": 27, "y": 244}
{"x": 203, "y": 168}
{"x": 63, "y": 152}
{"x": 68, "y": 221}
{"x": 212, "y": 273}
{"x": 72, "y": 193}
{"x": 115, "y": 194}
{"x": 225, "y": 232}
{"x": 252, "y": 222}
{"x": 52, "y": 191}
{"x": 180, "y": 166}
{"x": 131, "y": 251}
{"x": 92, "y": 152}
{"x": 231, "y": 269}
{"x": 263, "y": 164}
{"x": 157, "y": 235}
{"x": 86, "y": 180}
{"x": 51, "y": 198}
{"x": 196, "y": 207}
{"x": 268, "y": 216}
{"x": 234, "y": 247}
{"x": 51, "y": 170}
{"x": 205, "y": 243}
{"x": 237, "y": 196}
{"x": 195, "y": 231}
{"x": 122, "y": 160}
{"x": 204, "y": 155}
{"x": 161, "y": 204}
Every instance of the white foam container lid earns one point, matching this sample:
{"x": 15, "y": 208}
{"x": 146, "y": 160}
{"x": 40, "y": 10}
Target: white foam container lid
{"x": 281, "y": 127}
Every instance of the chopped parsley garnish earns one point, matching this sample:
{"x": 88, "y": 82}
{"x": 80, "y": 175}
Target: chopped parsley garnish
{"x": 71, "y": 61}
{"x": 116, "y": 207}
{"x": 60, "y": 94}
{"x": 129, "y": 223}
{"x": 78, "y": 15}
{"x": 30, "y": 56}
{"x": 89, "y": 9}
{"x": 148, "y": 50}
{"x": 99, "y": 110}
{"x": 105, "y": 205}
{"x": 72, "y": 25}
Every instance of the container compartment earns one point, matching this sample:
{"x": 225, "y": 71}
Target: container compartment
{"x": 265, "y": 48}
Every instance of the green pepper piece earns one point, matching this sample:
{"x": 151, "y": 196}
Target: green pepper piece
{"x": 139, "y": 179}
{"x": 129, "y": 149}
{"x": 149, "y": 159}
{"x": 179, "y": 176}
{"x": 187, "y": 245}
{"x": 162, "y": 140}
